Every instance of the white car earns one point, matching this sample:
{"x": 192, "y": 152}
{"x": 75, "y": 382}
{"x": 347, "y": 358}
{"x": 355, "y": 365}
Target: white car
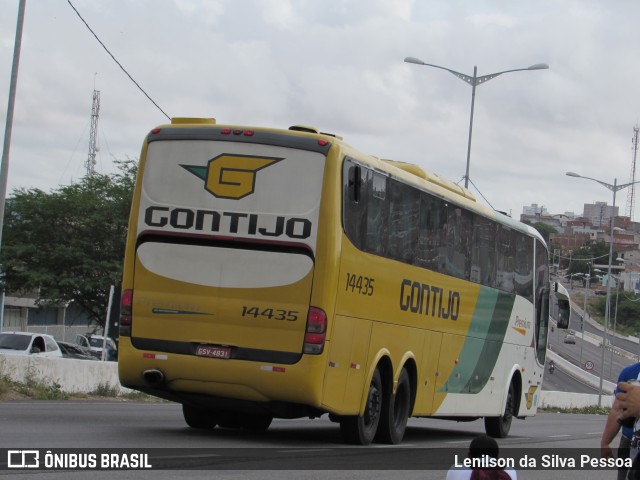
{"x": 26, "y": 343}
{"x": 95, "y": 342}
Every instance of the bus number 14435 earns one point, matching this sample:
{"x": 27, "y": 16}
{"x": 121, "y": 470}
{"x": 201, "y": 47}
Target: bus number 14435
{"x": 271, "y": 313}
{"x": 364, "y": 285}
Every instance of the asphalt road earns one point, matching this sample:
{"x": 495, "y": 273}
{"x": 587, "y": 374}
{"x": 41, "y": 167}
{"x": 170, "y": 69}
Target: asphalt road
{"x": 296, "y": 449}
{"x": 290, "y": 449}
{"x": 585, "y": 352}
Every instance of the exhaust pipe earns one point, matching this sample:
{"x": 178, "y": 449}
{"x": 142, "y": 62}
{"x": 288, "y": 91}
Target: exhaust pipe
{"x": 154, "y": 377}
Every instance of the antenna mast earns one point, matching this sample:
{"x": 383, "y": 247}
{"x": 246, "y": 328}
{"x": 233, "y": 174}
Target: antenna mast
{"x": 90, "y": 164}
{"x": 632, "y": 190}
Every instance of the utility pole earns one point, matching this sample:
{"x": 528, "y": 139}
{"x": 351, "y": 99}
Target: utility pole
{"x": 4, "y": 166}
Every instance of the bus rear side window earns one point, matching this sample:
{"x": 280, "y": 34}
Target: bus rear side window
{"x": 355, "y": 205}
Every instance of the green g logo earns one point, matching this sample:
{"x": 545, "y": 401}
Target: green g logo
{"x": 231, "y": 176}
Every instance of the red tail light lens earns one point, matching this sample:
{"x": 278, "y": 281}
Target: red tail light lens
{"x": 126, "y": 304}
{"x": 316, "y": 332}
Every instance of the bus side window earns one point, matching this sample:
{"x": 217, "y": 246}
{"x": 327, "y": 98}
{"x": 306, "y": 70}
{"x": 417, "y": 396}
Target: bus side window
{"x": 377, "y": 234}
{"x": 355, "y": 183}
{"x": 354, "y": 204}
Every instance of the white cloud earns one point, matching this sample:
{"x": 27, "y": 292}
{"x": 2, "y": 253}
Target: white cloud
{"x": 279, "y": 13}
{"x": 494, "y": 20}
{"x": 208, "y": 11}
{"x": 338, "y": 65}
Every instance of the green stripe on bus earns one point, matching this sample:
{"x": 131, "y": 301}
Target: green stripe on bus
{"x": 483, "y": 343}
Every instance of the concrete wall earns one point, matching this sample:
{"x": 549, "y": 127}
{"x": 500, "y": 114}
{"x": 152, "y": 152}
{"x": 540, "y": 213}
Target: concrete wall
{"x": 76, "y": 376}
{"x": 572, "y": 400}
{"x": 72, "y": 375}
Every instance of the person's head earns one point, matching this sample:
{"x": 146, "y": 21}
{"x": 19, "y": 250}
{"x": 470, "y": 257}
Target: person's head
{"x": 483, "y": 445}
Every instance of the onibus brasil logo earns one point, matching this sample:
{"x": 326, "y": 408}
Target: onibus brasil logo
{"x": 231, "y": 176}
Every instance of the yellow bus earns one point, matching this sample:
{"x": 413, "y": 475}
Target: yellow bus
{"x": 280, "y": 273}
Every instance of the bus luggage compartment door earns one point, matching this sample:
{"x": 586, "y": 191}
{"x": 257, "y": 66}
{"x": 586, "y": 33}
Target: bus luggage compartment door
{"x": 251, "y": 302}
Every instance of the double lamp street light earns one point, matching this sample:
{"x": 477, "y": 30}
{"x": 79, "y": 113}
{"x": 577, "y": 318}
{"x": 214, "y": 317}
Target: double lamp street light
{"x": 607, "y": 313}
{"x": 474, "y": 81}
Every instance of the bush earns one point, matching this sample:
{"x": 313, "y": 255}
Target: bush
{"x": 105, "y": 390}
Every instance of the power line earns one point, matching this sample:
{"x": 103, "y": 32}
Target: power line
{"x": 117, "y": 62}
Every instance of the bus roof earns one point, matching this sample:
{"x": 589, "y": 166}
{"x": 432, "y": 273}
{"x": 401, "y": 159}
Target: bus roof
{"x": 412, "y": 173}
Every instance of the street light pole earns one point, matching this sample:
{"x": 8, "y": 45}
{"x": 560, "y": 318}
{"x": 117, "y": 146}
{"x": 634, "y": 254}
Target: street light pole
{"x": 584, "y": 311}
{"x": 615, "y": 322}
{"x": 473, "y": 102}
{"x": 474, "y": 81}
{"x": 607, "y": 312}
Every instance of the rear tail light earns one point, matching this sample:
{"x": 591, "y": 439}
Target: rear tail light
{"x": 316, "y": 332}
{"x": 126, "y": 304}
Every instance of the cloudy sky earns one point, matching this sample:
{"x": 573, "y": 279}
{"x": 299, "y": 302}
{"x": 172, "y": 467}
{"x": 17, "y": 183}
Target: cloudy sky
{"x": 338, "y": 65}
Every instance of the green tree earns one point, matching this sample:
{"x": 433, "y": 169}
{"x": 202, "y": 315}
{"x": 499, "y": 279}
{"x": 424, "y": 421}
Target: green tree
{"x": 589, "y": 255}
{"x": 628, "y": 310}
{"x": 544, "y": 229}
{"x": 68, "y": 245}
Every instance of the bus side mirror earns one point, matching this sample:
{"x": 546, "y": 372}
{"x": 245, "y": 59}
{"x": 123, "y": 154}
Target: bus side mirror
{"x": 564, "y": 305}
{"x": 564, "y": 312}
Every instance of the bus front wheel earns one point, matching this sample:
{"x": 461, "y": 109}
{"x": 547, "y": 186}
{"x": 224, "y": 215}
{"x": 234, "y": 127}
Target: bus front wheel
{"x": 361, "y": 429}
{"x": 395, "y": 412}
{"x": 498, "y": 427}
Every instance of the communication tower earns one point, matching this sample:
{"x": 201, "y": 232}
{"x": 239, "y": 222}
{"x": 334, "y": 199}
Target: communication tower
{"x": 90, "y": 164}
{"x": 632, "y": 188}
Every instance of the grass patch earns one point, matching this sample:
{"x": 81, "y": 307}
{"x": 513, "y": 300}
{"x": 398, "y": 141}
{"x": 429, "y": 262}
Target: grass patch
{"x": 40, "y": 390}
{"x": 5, "y": 383}
{"x": 105, "y": 390}
{"x": 141, "y": 397}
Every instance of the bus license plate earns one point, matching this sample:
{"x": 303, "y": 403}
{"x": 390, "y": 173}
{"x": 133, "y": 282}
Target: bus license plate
{"x": 213, "y": 352}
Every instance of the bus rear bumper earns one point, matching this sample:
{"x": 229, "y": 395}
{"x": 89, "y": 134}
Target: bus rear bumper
{"x": 286, "y": 391}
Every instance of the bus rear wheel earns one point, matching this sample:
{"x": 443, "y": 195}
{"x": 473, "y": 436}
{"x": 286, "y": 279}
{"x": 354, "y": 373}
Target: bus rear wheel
{"x": 200, "y": 418}
{"x": 395, "y": 412}
{"x": 361, "y": 429}
{"x": 255, "y": 422}
{"x": 498, "y": 427}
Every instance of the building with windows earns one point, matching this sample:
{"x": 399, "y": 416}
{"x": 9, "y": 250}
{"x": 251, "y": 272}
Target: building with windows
{"x": 599, "y": 213}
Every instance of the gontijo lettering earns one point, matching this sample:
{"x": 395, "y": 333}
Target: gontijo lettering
{"x": 429, "y": 300}
{"x": 228, "y": 222}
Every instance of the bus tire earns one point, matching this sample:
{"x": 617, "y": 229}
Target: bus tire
{"x": 395, "y": 412}
{"x": 361, "y": 429}
{"x": 227, "y": 419}
{"x": 200, "y": 418}
{"x": 255, "y": 422}
{"x": 498, "y": 427}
